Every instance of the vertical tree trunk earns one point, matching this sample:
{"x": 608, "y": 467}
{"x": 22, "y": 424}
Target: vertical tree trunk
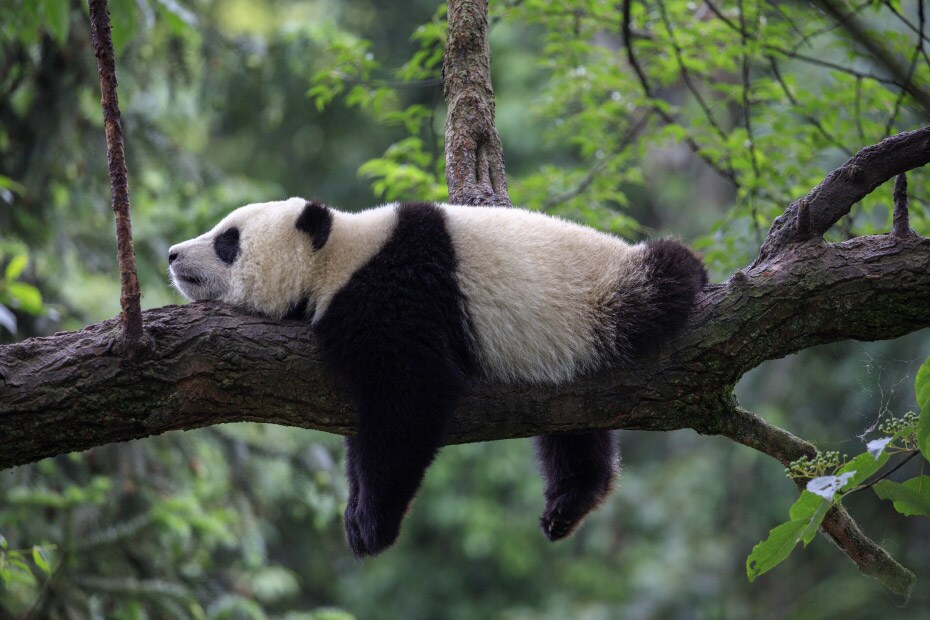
{"x": 474, "y": 156}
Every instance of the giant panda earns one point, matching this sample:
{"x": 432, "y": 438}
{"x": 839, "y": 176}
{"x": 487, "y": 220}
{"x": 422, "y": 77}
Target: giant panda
{"x": 412, "y": 301}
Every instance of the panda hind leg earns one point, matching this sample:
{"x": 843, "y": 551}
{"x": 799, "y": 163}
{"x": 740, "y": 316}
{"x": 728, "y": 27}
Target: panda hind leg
{"x": 578, "y": 470}
{"x": 385, "y": 464}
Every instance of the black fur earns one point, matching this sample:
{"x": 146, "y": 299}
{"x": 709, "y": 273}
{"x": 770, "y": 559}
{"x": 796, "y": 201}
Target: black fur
{"x": 646, "y": 321}
{"x": 397, "y": 337}
{"x": 316, "y": 220}
{"x": 226, "y": 246}
{"x": 579, "y": 471}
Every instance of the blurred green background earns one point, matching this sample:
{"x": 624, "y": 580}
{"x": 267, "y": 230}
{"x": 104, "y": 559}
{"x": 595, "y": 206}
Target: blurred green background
{"x": 230, "y": 101}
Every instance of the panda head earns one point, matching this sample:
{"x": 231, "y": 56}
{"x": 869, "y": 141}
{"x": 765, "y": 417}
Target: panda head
{"x": 261, "y": 257}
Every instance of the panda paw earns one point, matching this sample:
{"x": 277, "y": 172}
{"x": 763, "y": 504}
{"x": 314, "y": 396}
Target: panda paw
{"x": 561, "y": 517}
{"x": 366, "y": 534}
{"x": 567, "y": 508}
{"x": 353, "y": 535}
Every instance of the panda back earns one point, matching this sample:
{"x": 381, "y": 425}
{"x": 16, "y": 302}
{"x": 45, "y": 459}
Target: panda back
{"x": 541, "y": 292}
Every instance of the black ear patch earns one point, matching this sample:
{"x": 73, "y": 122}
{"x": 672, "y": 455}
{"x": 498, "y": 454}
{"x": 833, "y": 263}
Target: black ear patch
{"x": 226, "y": 245}
{"x": 316, "y": 220}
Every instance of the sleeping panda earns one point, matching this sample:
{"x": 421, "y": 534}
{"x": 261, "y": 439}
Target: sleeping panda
{"x": 411, "y": 301}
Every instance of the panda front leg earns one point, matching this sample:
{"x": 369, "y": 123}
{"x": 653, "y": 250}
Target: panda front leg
{"x": 385, "y": 464}
{"x": 579, "y": 470}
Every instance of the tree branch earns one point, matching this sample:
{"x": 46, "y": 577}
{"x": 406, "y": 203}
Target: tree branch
{"x": 849, "y": 184}
{"x": 119, "y": 185}
{"x": 474, "y": 156}
{"x": 211, "y": 364}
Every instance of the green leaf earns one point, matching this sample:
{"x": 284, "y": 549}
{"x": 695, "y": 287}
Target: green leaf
{"x": 805, "y": 506}
{"x": 10, "y": 184}
{"x": 922, "y": 387}
{"x": 864, "y": 465}
{"x": 775, "y": 549}
{"x": 58, "y": 19}
{"x": 40, "y": 561}
{"x": 813, "y": 524}
{"x": 122, "y": 23}
{"x": 16, "y": 266}
{"x": 28, "y": 297}
{"x": 911, "y": 498}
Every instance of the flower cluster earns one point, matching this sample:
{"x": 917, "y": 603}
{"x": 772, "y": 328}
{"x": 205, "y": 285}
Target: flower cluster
{"x": 823, "y": 464}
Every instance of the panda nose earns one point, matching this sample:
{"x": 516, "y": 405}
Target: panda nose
{"x": 172, "y": 256}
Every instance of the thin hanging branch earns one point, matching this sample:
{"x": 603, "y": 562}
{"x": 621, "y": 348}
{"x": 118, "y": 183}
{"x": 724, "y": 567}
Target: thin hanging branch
{"x": 902, "y": 227}
{"x": 130, "y": 295}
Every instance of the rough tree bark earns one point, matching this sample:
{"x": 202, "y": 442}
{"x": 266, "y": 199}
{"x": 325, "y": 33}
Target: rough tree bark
{"x": 210, "y": 364}
{"x": 130, "y": 296}
{"x": 474, "y": 157}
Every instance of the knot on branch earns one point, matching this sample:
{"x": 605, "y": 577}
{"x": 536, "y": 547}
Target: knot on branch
{"x": 852, "y": 172}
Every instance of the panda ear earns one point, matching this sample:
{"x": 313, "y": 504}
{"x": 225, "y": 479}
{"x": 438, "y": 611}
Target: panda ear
{"x": 315, "y": 220}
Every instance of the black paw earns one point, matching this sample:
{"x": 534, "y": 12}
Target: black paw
{"x": 366, "y": 534}
{"x": 353, "y": 535}
{"x": 566, "y": 510}
{"x": 561, "y": 516}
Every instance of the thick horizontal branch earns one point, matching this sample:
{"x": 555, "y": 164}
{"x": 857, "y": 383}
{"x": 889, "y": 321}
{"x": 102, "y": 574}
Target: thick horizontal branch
{"x": 210, "y": 364}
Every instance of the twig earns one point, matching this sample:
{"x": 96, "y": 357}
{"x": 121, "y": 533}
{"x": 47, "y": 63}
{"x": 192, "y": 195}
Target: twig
{"x": 857, "y": 31}
{"x": 119, "y": 185}
{"x": 877, "y": 479}
{"x": 830, "y": 65}
{"x": 686, "y": 75}
{"x": 889, "y": 124}
{"x": 747, "y": 119}
{"x": 713, "y": 9}
{"x": 829, "y": 27}
{"x": 919, "y": 31}
{"x": 813, "y": 120}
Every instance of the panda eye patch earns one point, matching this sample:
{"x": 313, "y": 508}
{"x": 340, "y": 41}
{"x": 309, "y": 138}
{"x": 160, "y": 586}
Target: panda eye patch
{"x": 226, "y": 246}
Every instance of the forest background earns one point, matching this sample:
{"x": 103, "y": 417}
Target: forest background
{"x": 736, "y": 110}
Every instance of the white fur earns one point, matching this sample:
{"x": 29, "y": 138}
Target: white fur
{"x": 539, "y": 289}
{"x": 280, "y": 266}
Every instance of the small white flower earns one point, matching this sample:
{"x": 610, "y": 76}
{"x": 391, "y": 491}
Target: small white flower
{"x": 827, "y": 486}
{"x": 877, "y": 446}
